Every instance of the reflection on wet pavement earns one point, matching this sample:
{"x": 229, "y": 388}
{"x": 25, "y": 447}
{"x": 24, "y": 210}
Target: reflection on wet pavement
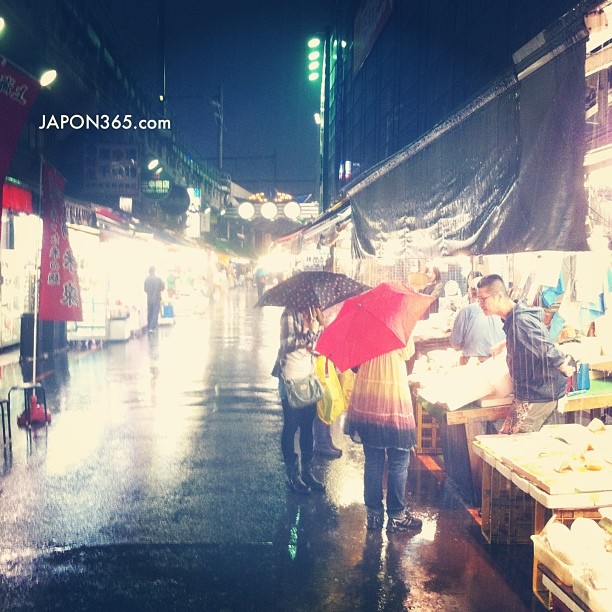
{"x": 159, "y": 485}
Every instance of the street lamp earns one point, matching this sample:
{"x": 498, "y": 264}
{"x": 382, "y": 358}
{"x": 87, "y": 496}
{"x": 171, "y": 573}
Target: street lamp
{"x": 315, "y": 58}
{"x": 318, "y": 72}
{"x": 47, "y": 77}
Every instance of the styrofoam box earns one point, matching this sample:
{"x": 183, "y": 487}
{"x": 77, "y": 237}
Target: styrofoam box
{"x": 597, "y": 600}
{"x": 542, "y": 553}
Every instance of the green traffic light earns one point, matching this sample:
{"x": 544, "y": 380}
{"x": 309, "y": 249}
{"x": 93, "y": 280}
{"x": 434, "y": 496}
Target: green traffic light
{"x": 314, "y": 42}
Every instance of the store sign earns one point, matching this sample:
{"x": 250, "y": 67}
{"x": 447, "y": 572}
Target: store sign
{"x": 205, "y": 222}
{"x": 157, "y": 187}
{"x": 17, "y": 94}
{"x": 111, "y": 170}
{"x": 60, "y": 294}
{"x": 314, "y": 259}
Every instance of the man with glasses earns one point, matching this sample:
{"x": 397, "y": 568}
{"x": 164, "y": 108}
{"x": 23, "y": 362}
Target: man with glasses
{"x": 538, "y": 368}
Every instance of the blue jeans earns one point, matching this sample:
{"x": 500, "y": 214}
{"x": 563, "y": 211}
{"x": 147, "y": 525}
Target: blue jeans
{"x": 294, "y": 418}
{"x": 397, "y": 473}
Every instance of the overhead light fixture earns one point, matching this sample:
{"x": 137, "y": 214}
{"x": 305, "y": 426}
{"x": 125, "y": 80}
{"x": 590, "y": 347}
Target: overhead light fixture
{"x": 292, "y": 210}
{"x": 2, "y": 24}
{"x": 153, "y": 164}
{"x": 246, "y": 210}
{"x": 47, "y": 77}
{"x": 268, "y": 210}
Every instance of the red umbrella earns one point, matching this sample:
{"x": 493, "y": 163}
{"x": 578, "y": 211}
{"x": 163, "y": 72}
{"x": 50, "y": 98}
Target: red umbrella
{"x": 371, "y": 324}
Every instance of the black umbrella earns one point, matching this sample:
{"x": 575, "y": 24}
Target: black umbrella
{"x": 312, "y": 288}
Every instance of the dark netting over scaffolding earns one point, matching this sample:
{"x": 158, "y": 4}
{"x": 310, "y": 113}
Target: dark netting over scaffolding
{"x": 505, "y": 174}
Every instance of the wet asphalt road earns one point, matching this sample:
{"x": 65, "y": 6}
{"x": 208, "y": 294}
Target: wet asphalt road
{"x": 159, "y": 486}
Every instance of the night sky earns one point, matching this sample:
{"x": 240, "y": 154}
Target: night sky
{"x": 255, "y": 51}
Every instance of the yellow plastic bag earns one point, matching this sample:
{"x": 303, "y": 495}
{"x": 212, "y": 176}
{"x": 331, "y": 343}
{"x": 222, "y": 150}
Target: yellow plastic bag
{"x": 333, "y": 403}
{"x": 347, "y": 382}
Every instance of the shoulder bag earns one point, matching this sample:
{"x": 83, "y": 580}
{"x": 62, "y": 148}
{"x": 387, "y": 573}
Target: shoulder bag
{"x": 302, "y": 392}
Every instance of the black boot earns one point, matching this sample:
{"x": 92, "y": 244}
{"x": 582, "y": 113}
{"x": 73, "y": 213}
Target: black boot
{"x": 323, "y": 444}
{"x": 309, "y": 479}
{"x": 294, "y": 480}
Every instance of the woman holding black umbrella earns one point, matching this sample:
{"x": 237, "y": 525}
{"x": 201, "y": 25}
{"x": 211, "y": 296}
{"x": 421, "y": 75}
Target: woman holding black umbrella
{"x": 298, "y": 336}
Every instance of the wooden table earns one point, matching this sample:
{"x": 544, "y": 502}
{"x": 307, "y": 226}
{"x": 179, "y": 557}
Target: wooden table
{"x": 457, "y": 429}
{"x": 567, "y": 494}
{"x": 422, "y": 344}
{"x": 597, "y": 398}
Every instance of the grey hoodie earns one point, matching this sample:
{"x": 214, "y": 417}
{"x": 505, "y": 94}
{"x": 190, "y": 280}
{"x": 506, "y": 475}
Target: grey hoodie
{"x": 533, "y": 359}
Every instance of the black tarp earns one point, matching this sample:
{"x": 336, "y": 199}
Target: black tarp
{"x": 503, "y": 175}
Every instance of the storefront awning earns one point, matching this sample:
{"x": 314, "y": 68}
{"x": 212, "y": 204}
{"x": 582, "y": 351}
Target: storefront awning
{"x": 79, "y": 214}
{"x": 16, "y": 198}
{"x": 113, "y": 223}
{"x": 503, "y": 175}
{"x": 320, "y": 228}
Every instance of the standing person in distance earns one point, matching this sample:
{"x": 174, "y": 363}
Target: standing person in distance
{"x": 299, "y": 331}
{"x": 153, "y": 287}
{"x": 538, "y": 368}
{"x": 381, "y": 417}
{"x": 261, "y": 280}
{"x": 433, "y": 287}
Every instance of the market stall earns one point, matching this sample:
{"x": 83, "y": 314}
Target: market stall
{"x": 455, "y": 430}
{"x": 561, "y": 470}
{"x": 456, "y": 427}
{"x": 463, "y": 401}
{"x": 595, "y": 400}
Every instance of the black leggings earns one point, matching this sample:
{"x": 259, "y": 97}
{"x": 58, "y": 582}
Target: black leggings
{"x": 294, "y": 418}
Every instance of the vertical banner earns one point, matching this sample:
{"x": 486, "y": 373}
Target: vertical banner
{"x": 17, "y": 94}
{"x": 60, "y": 294}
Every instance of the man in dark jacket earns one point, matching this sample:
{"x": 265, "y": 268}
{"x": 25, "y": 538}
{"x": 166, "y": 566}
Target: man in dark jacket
{"x": 153, "y": 287}
{"x": 538, "y": 368}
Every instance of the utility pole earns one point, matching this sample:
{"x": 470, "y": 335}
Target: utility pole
{"x": 218, "y": 112}
{"x": 324, "y": 186}
{"x": 161, "y": 53}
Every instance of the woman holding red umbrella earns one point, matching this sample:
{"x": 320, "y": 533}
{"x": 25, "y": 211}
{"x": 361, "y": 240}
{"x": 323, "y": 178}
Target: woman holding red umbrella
{"x": 381, "y": 417}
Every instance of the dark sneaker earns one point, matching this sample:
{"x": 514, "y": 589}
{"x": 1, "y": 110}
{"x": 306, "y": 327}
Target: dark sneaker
{"x": 407, "y": 522}
{"x": 374, "y": 522}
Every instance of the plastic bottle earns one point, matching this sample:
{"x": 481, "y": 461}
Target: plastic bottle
{"x": 584, "y": 380}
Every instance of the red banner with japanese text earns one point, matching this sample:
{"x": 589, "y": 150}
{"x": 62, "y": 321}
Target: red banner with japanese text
{"x": 17, "y": 94}
{"x": 60, "y": 294}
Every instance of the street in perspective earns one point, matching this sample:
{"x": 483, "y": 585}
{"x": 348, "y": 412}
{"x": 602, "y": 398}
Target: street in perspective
{"x": 159, "y": 485}
{"x": 304, "y": 306}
